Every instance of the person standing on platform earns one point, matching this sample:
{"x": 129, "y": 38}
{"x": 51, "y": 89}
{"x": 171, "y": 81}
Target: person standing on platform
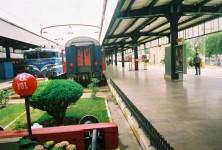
{"x": 197, "y": 61}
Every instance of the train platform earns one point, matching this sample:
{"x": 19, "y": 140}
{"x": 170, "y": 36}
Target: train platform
{"x": 5, "y": 84}
{"x": 187, "y": 113}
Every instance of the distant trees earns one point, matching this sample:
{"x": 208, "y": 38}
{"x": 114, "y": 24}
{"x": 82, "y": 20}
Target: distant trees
{"x": 213, "y": 44}
{"x": 189, "y": 49}
{"x": 54, "y": 97}
{"x": 190, "y": 52}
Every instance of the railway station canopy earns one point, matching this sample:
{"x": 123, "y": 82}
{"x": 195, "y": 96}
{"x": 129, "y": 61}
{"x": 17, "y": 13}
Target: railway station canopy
{"x": 141, "y": 21}
{"x": 12, "y": 35}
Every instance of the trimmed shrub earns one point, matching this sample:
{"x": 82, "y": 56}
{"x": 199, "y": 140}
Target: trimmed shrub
{"x": 54, "y": 97}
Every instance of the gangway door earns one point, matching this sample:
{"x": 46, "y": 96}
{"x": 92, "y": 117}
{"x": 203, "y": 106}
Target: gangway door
{"x": 83, "y": 59}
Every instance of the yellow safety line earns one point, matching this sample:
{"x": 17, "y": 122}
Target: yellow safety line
{"x": 14, "y": 120}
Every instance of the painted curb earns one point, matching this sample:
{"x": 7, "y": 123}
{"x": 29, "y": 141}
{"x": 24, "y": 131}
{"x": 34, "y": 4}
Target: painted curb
{"x": 138, "y": 132}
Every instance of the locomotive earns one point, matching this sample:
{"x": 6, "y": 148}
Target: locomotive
{"x": 43, "y": 62}
{"x": 84, "y": 59}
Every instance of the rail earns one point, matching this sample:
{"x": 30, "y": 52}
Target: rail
{"x": 154, "y": 136}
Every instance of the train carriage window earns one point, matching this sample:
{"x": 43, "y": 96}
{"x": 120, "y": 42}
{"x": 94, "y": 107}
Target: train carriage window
{"x": 79, "y": 52}
{"x": 47, "y": 54}
{"x": 31, "y": 55}
{"x": 59, "y": 55}
{"x": 103, "y": 54}
{"x": 87, "y": 52}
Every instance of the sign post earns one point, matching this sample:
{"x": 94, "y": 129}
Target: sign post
{"x": 25, "y": 85}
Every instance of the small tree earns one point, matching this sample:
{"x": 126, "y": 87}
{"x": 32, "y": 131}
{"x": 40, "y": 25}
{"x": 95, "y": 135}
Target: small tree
{"x": 4, "y": 97}
{"x": 54, "y": 97}
{"x": 93, "y": 87}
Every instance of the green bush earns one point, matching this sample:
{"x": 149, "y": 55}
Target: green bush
{"x": 54, "y": 97}
{"x": 93, "y": 87}
{"x": 191, "y": 62}
{"x": 147, "y": 61}
{"x": 162, "y": 61}
{"x": 4, "y": 97}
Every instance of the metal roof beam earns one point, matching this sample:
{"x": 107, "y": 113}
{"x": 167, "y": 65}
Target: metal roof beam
{"x": 117, "y": 11}
{"x": 150, "y": 21}
{"x": 145, "y": 12}
{"x": 130, "y": 4}
{"x": 201, "y": 9}
{"x": 117, "y": 44}
{"x": 200, "y": 22}
{"x": 152, "y": 34}
{"x": 203, "y": 2}
{"x": 128, "y": 10}
{"x": 160, "y": 10}
{"x": 134, "y": 21}
{"x": 139, "y": 33}
{"x": 177, "y": 2}
{"x": 131, "y": 34}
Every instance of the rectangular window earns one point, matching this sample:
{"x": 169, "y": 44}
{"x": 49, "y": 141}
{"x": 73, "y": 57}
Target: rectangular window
{"x": 201, "y": 29}
{"x": 220, "y": 23}
{"x": 31, "y": 55}
{"x": 195, "y": 31}
{"x": 187, "y": 33}
{"x": 190, "y": 32}
{"x": 47, "y": 54}
{"x": 215, "y": 26}
{"x": 180, "y": 34}
{"x": 79, "y": 52}
{"x": 208, "y": 27}
{"x": 87, "y": 51}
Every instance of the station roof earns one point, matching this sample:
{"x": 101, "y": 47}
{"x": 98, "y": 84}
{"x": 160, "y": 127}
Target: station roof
{"x": 147, "y": 19}
{"x": 20, "y": 38}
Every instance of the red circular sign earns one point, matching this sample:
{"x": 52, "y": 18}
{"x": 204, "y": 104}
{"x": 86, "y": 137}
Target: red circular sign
{"x": 24, "y": 84}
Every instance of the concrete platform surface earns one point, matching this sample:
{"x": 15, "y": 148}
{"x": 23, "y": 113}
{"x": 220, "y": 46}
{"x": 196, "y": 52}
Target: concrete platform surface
{"x": 188, "y": 113}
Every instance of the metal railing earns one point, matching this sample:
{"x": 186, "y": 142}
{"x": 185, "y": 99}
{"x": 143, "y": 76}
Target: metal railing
{"x": 154, "y": 136}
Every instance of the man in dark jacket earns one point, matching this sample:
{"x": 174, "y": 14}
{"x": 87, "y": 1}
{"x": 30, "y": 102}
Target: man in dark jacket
{"x": 197, "y": 61}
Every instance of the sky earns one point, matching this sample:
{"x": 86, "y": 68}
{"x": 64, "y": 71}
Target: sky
{"x": 34, "y": 15}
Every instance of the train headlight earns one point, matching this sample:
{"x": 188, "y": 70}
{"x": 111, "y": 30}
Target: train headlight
{"x": 49, "y": 68}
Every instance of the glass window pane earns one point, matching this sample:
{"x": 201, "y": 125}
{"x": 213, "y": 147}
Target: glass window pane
{"x": 220, "y": 23}
{"x": 31, "y": 55}
{"x": 79, "y": 52}
{"x": 47, "y": 54}
{"x": 201, "y": 29}
{"x": 195, "y": 31}
{"x": 87, "y": 51}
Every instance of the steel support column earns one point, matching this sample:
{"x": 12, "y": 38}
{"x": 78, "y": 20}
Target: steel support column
{"x": 115, "y": 56}
{"x": 7, "y": 45}
{"x": 111, "y": 57}
{"x": 135, "y": 37}
{"x": 122, "y": 51}
{"x": 173, "y": 19}
{"x": 135, "y": 49}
